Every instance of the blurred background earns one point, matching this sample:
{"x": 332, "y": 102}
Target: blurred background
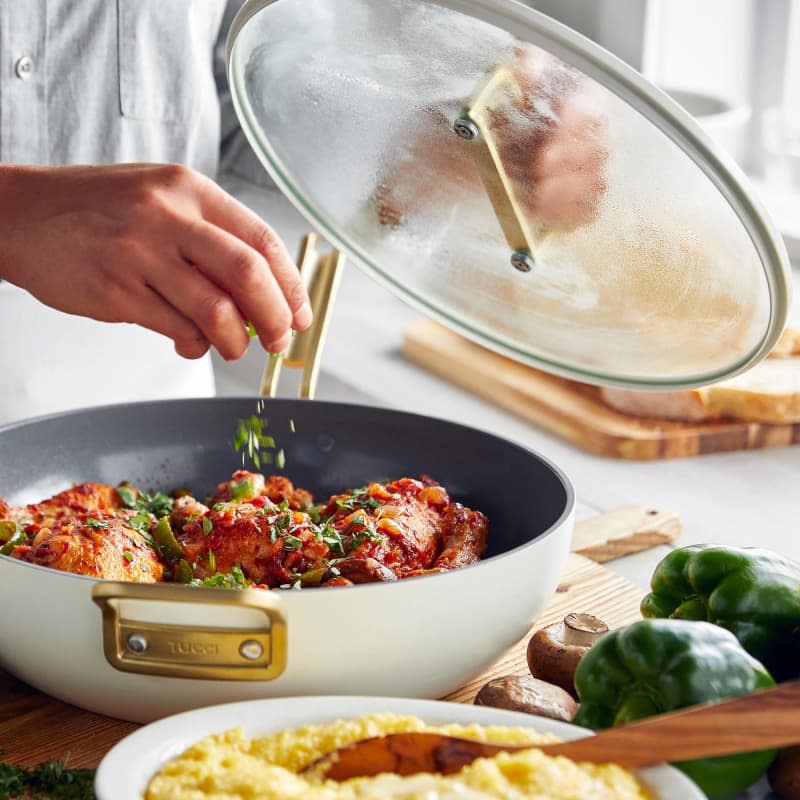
{"x": 733, "y": 64}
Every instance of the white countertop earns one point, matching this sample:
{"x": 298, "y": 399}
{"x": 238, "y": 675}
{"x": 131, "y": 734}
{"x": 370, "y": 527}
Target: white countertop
{"x": 740, "y": 498}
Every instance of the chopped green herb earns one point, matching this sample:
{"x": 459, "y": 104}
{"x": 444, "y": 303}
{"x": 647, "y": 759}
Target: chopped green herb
{"x": 315, "y": 512}
{"x": 291, "y": 425}
{"x": 251, "y": 330}
{"x": 141, "y": 522}
{"x": 212, "y": 561}
{"x": 358, "y": 499}
{"x": 328, "y": 534}
{"x": 96, "y": 523}
{"x": 128, "y": 556}
{"x": 280, "y": 459}
{"x": 208, "y": 525}
{"x": 127, "y": 495}
{"x": 291, "y": 542}
{"x": 242, "y": 489}
{"x": 249, "y": 438}
{"x": 234, "y": 579}
{"x": 363, "y": 536}
{"x": 51, "y": 780}
{"x": 158, "y": 504}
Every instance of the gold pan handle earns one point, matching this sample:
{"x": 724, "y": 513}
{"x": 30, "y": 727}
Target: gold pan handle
{"x": 146, "y": 646}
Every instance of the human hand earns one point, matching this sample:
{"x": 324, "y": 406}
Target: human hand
{"x": 158, "y": 245}
{"x": 551, "y": 144}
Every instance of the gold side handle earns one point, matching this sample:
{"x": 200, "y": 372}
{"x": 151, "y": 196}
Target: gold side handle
{"x": 322, "y": 274}
{"x": 254, "y": 653}
{"x": 475, "y": 126}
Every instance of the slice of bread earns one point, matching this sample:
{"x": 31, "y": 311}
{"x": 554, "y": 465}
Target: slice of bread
{"x": 769, "y": 392}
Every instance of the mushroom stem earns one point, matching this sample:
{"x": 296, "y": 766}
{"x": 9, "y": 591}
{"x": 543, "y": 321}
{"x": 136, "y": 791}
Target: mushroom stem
{"x": 582, "y": 630}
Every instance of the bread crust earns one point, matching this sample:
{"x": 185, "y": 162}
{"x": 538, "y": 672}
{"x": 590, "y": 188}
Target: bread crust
{"x": 769, "y": 392}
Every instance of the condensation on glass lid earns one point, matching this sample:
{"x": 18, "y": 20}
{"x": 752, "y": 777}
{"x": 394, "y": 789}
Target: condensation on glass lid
{"x": 642, "y": 269}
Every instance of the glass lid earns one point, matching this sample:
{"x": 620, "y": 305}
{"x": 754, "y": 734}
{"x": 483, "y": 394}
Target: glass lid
{"x": 514, "y": 181}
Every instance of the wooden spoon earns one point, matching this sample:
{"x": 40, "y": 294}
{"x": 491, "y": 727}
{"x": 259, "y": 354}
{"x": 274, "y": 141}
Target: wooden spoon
{"x": 764, "y": 719}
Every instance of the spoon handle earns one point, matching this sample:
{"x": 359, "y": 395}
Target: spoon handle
{"x": 765, "y": 719}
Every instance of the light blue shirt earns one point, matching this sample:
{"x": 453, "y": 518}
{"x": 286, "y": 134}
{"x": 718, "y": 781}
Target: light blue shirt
{"x": 102, "y": 81}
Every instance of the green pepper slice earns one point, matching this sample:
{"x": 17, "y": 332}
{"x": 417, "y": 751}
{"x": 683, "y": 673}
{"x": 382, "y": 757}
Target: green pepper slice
{"x": 16, "y": 538}
{"x": 165, "y": 540}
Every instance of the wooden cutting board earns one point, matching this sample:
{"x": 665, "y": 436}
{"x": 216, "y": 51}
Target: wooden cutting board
{"x": 574, "y": 411}
{"x": 36, "y": 728}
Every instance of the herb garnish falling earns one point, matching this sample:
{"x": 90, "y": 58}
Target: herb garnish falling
{"x": 250, "y": 439}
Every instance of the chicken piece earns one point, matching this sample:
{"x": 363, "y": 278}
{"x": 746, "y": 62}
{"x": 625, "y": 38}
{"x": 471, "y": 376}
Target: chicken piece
{"x": 464, "y": 534}
{"x": 397, "y": 524}
{"x": 100, "y": 546}
{"x": 245, "y": 486}
{"x": 82, "y": 498}
{"x": 272, "y": 545}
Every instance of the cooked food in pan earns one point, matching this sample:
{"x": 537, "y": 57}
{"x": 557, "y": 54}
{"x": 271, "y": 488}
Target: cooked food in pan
{"x": 230, "y": 765}
{"x": 254, "y": 530}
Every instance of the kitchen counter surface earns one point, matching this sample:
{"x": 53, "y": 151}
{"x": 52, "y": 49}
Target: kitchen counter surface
{"x": 743, "y": 498}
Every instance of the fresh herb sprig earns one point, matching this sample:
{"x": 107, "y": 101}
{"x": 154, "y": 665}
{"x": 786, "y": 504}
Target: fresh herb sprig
{"x": 50, "y": 780}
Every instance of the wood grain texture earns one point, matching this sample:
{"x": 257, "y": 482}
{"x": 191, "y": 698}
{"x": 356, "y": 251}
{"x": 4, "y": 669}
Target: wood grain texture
{"x": 574, "y": 411}
{"x": 584, "y": 587}
{"x": 35, "y": 727}
{"x": 625, "y": 531}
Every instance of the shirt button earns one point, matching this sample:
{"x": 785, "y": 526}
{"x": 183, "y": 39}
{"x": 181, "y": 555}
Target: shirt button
{"x": 24, "y": 67}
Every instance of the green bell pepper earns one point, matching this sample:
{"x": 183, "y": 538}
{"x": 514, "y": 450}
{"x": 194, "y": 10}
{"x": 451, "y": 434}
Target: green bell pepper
{"x": 655, "y": 666}
{"x": 753, "y": 593}
{"x": 164, "y": 539}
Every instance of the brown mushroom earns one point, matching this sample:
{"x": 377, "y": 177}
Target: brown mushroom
{"x": 784, "y": 774}
{"x": 523, "y": 693}
{"x": 554, "y": 651}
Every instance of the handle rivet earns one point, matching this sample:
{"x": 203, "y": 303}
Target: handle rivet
{"x": 137, "y": 643}
{"x": 522, "y": 260}
{"x": 251, "y": 650}
{"x": 466, "y": 128}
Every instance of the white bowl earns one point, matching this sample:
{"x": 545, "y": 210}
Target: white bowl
{"x": 127, "y": 769}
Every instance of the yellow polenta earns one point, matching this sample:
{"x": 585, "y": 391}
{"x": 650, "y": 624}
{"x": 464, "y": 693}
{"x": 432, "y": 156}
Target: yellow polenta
{"x": 229, "y": 766}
